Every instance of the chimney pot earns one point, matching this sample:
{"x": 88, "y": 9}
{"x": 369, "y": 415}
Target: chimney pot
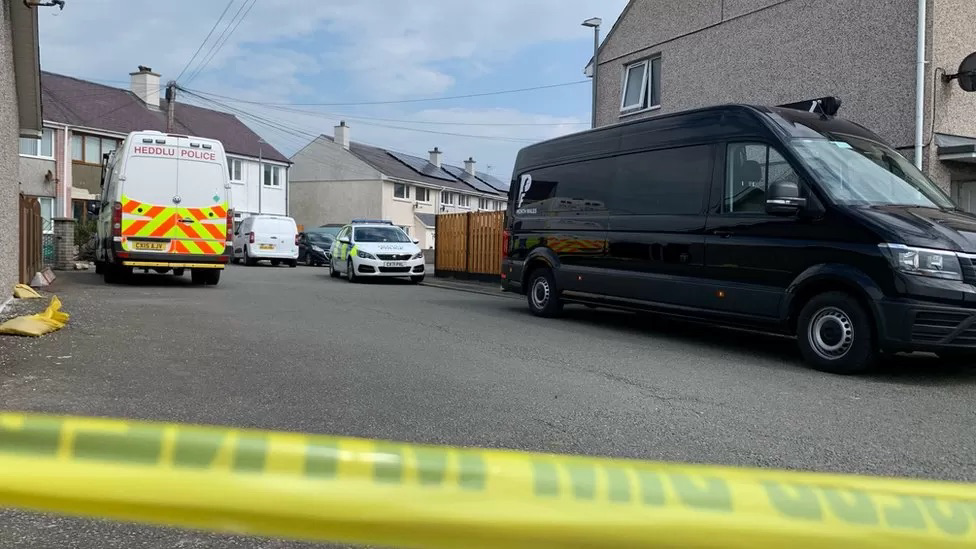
{"x": 435, "y": 157}
{"x": 469, "y": 165}
{"x": 342, "y": 135}
{"x": 145, "y": 84}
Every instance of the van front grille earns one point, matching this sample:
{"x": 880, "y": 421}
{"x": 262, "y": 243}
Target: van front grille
{"x": 939, "y": 327}
{"x": 968, "y": 264}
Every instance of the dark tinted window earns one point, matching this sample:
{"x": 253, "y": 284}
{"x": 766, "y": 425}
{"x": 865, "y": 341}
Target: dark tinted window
{"x": 668, "y": 181}
{"x": 580, "y": 187}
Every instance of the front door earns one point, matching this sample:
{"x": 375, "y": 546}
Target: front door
{"x": 751, "y": 256}
{"x": 964, "y": 193}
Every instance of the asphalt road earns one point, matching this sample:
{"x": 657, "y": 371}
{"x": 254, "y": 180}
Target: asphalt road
{"x": 292, "y": 349}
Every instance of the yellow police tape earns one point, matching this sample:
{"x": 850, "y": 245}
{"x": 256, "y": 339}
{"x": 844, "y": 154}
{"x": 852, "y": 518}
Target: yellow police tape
{"x": 366, "y": 491}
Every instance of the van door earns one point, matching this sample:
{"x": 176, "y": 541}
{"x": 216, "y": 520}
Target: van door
{"x": 201, "y": 197}
{"x": 751, "y": 256}
{"x": 656, "y": 243}
{"x": 274, "y": 236}
{"x": 148, "y": 193}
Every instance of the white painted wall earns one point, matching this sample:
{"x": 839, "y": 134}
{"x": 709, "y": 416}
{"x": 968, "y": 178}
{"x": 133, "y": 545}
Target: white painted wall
{"x": 245, "y": 193}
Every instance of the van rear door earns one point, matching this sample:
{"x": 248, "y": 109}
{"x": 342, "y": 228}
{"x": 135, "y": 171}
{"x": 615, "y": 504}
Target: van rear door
{"x": 147, "y": 192}
{"x": 274, "y": 236}
{"x": 202, "y": 204}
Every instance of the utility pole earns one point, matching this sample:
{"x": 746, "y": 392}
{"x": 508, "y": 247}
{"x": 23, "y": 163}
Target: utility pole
{"x": 170, "y": 105}
{"x": 260, "y": 173}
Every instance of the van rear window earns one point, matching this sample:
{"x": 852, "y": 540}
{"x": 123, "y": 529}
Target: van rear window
{"x": 276, "y": 226}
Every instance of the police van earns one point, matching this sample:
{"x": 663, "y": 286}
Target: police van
{"x": 164, "y": 208}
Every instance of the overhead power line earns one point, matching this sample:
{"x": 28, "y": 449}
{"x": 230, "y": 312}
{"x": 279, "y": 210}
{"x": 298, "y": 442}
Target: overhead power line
{"x": 222, "y": 39}
{"x": 394, "y": 102}
{"x": 202, "y": 44}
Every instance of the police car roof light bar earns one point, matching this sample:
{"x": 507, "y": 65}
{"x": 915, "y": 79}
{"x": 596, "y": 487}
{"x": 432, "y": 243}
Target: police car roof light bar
{"x": 371, "y": 221}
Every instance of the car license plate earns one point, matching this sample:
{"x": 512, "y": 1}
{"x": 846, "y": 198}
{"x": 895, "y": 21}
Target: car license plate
{"x": 267, "y": 246}
{"x": 394, "y": 264}
{"x": 150, "y": 246}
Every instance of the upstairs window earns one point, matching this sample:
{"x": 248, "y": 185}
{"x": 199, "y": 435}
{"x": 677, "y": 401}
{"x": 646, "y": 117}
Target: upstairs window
{"x": 272, "y": 176}
{"x": 642, "y": 86}
{"x": 235, "y": 168}
{"x": 401, "y": 191}
{"x": 88, "y": 149}
{"x": 463, "y": 200}
{"x": 43, "y": 147}
{"x": 423, "y": 195}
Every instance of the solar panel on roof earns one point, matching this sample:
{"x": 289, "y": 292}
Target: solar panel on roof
{"x": 421, "y": 166}
{"x": 472, "y": 181}
{"x": 492, "y": 182}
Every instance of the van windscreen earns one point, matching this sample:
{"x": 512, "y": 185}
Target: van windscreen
{"x": 856, "y": 171}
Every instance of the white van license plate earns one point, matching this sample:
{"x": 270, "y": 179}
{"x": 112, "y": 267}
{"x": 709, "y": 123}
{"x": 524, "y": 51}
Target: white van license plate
{"x": 394, "y": 264}
{"x": 267, "y": 246}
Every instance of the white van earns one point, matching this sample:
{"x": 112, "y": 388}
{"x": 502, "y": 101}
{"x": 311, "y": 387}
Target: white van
{"x": 270, "y": 237}
{"x": 165, "y": 207}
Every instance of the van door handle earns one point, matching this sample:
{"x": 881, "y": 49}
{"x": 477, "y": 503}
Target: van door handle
{"x": 187, "y": 220}
{"x": 723, "y": 234}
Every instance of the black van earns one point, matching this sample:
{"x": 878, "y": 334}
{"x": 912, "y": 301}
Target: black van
{"x": 767, "y": 217}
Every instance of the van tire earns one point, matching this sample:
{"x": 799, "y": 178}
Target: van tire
{"x": 211, "y": 277}
{"x": 116, "y": 274}
{"x": 99, "y": 268}
{"x": 248, "y": 260}
{"x": 542, "y": 294}
{"x": 179, "y": 272}
{"x": 836, "y": 335}
{"x": 294, "y": 263}
{"x": 275, "y": 262}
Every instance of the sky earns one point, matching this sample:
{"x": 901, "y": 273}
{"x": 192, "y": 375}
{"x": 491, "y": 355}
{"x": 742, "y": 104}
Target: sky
{"x": 393, "y": 52}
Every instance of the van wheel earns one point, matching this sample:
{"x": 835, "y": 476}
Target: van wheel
{"x": 248, "y": 260}
{"x": 178, "y": 272}
{"x": 99, "y": 268}
{"x": 543, "y": 295}
{"x": 211, "y": 277}
{"x": 275, "y": 262}
{"x": 293, "y": 263}
{"x": 116, "y": 274}
{"x": 835, "y": 334}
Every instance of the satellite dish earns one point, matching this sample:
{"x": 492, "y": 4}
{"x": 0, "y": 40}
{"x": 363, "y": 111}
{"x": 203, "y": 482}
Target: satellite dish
{"x": 966, "y": 74}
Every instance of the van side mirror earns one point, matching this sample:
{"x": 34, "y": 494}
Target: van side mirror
{"x": 783, "y": 198}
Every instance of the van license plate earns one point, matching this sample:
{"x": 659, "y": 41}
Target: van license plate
{"x": 267, "y": 246}
{"x": 394, "y": 264}
{"x": 151, "y": 246}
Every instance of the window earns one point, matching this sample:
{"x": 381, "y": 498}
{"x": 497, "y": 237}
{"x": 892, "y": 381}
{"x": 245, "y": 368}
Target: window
{"x": 401, "y": 191}
{"x": 578, "y": 188}
{"x": 272, "y": 176}
{"x": 483, "y": 203}
{"x": 89, "y": 149}
{"x": 235, "y": 168}
{"x": 423, "y": 195}
{"x": 667, "y": 181}
{"x": 462, "y": 200}
{"x": 447, "y": 198}
{"x": 750, "y": 169}
{"x": 38, "y": 147}
{"x": 47, "y": 214}
{"x": 642, "y": 86}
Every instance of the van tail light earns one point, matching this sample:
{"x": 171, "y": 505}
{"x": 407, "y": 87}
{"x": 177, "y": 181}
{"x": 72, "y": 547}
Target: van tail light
{"x": 230, "y": 226}
{"x": 506, "y": 241}
{"x": 250, "y": 237}
{"x": 117, "y": 219}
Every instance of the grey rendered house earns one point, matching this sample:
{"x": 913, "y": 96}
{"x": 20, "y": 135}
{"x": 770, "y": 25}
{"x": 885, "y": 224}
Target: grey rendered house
{"x": 663, "y": 56}
{"x": 335, "y": 180}
{"x": 20, "y": 116}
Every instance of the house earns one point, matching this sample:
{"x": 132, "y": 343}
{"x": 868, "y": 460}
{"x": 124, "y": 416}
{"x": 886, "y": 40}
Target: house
{"x": 84, "y": 120}
{"x": 663, "y": 56}
{"x": 335, "y": 180}
{"x": 20, "y": 116}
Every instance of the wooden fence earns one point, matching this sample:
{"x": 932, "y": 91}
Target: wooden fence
{"x": 469, "y": 244}
{"x": 31, "y": 231}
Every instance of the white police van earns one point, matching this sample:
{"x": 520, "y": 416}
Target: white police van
{"x": 375, "y": 248}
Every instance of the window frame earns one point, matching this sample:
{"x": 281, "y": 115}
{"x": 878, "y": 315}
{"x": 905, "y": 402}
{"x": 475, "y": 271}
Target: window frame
{"x": 447, "y": 198}
{"x": 427, "y": 193}
{"x": 644, "y": 103}
{"x": 464, "y": 201}
{"x": 37, "y": 145}
{"x": 405, "y": 196}
{"x": 84, "y": 137}
{"x": 275, "y": 173}
{"x": 230, "y": 171}
{"x": 718, "y": 206}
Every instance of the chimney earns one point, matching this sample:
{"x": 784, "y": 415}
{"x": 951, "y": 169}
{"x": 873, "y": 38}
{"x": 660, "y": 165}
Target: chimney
{"x": 435, "y": 157}
{"x": 469, "y": 165}
{"x": 145, "y": 84}
{"x": 342, "y": 135}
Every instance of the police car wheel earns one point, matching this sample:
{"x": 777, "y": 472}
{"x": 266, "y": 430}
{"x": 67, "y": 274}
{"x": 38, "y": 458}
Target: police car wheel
{"x": 417, "y": 279}
{"x": 542, "y": 295}
{"x": 333, "y": 272}
{"x": 350, "y": 271}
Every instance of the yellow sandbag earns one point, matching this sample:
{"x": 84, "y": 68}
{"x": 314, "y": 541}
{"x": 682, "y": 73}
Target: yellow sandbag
{"x": 50, "y": 320}
{"x": 23, "y": 291}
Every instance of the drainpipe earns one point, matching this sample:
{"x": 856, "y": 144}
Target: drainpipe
{"x": 920, "y": 83}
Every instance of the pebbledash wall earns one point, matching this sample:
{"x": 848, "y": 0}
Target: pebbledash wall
{"x": 779, "y": 51}
{"x": 9, "y": 160}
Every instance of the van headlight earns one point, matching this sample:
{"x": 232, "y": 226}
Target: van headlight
{"x": 923, "y": 261}
{"x": 365, "y": 255}
{"x": 418, "y": 255}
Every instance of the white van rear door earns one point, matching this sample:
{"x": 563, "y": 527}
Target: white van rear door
{"x": 201, "y": 224}
{"x": 274, "y": 234}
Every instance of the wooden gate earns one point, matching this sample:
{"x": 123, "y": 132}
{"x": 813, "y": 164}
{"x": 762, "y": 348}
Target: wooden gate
{"x": 469, "y": 244}
{"x": 31, "y": 230}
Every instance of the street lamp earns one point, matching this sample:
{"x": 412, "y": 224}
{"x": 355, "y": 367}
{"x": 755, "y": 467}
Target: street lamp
{"x": 261, "y": 142}
{"x": 594, "y": 23}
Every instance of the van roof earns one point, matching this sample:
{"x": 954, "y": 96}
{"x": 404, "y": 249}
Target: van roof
{"x": 733, "y": 120}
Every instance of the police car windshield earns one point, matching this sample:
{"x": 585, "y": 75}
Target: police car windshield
{"x": 380, "y": 234}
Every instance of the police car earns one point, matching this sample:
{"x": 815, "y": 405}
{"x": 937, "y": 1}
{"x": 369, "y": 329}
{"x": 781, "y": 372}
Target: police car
{"x": 371, "y": 248}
